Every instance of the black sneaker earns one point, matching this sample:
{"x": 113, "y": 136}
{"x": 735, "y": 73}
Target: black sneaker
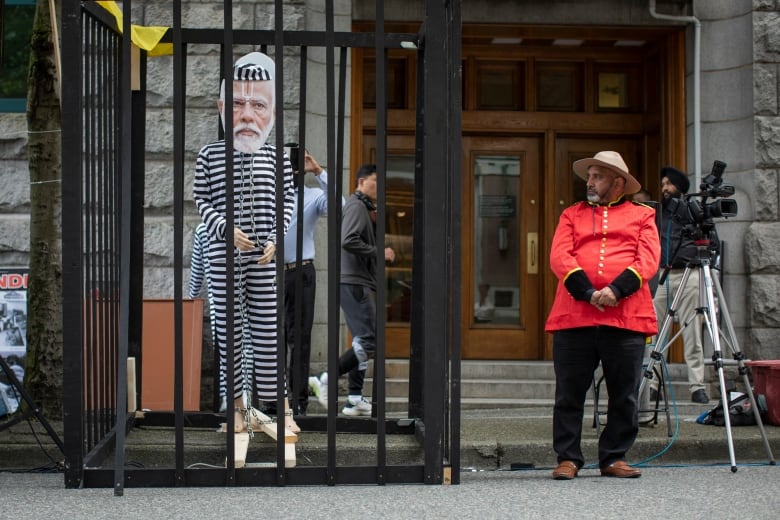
{"x": 700, "y": 396}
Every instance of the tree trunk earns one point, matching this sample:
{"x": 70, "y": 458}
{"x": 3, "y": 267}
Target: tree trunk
{"x": 43, "y": 373}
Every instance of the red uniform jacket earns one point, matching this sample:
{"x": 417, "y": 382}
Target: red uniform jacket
{"x": 604, "y": 241}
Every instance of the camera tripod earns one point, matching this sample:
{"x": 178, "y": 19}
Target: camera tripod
{"x": 33, "y": 408}
{"x": 707, "y": 311}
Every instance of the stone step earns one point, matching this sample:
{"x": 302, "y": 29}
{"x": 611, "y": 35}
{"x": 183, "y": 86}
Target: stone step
{"x": 398, "y": 406}
{"x": 523, "y": 389}
{"x": 517, "y": 385}
{"x": 500, "y": 370}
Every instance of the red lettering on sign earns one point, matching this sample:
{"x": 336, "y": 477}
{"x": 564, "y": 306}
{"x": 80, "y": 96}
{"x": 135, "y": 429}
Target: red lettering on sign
{"x": 13, "y": 281}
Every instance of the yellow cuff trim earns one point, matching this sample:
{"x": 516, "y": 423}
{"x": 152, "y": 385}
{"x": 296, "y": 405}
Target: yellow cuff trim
{"x": 636, "y": 273}
{"x": 571, "y": 272}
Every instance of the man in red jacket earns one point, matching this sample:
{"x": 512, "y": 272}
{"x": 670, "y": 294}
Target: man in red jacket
{"x": 604, "y": 252}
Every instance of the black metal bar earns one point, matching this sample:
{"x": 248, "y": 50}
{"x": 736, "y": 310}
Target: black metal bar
{"x": 435, "y": 205}
{"x": 90, "y": 235}
{"x": 455, "y": 259}
{"x": 381, "y": 219}
{"x": 299, "y": 171}
{"x": 342, "y": 117}
{"x": 227, "y": 74}
{"x": 281, "y": 476}
{"x": 334, "y": 237}
{"x": 124, "y": 283}
{"x": 416, "y": 347}
{"x": 365, "y": 40}
{"x": 101, "y": 451}
{"x": 179, "y": 94}
{"x": 114, "y": 203}
{"x": 212, "y": 477}
{"x": 137, "y": 248}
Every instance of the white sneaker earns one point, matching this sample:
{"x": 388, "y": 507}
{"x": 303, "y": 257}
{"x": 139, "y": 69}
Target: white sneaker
{"x": 319, "y": 389}
{"x": 356, "y": 407}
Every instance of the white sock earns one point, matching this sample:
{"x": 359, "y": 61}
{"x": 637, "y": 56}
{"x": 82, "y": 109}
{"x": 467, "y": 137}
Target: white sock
{"x": 355, "y": 398}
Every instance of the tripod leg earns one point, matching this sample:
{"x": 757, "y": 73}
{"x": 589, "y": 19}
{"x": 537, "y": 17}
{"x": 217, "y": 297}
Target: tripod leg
{"x": 740, "y": 359}
{"x": 661, "y": 341}
{"x": 717, "y": 357}
{"x": 34, "y": 410}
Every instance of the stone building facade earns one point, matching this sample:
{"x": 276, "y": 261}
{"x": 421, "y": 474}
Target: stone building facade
{"x": 740, "y": 124}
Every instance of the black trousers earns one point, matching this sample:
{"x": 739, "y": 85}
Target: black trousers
{"x": 299, "y": 347}
{"x": 359, "y": 305}
{"x": 576, "y": 355}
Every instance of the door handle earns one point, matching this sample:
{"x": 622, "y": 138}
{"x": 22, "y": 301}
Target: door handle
{"x": 532, "y": 256}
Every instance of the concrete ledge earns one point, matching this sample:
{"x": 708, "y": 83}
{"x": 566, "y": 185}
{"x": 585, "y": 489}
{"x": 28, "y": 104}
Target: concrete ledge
{"x": 490, "y": 440}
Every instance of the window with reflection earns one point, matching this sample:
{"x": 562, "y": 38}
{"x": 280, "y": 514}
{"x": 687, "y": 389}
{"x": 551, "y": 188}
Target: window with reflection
{"x": 400, "y": 215}
{"x": 559, "y": 87}
{"x": 395, "y": 84}
{"x": 500, "y": 85}
{"x": 617, "y": 88}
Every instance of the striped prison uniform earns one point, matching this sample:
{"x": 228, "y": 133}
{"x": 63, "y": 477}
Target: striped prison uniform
{"x": 200, "y": 272}
{"x": 254, "y": 300}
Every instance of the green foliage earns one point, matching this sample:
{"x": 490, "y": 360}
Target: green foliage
{"x": 15, "y": 61}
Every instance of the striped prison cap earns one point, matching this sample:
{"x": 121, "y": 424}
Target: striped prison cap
{"x": 254, "y": 66}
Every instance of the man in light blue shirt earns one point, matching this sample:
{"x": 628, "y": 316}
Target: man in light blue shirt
{"x": 315, "y": 205}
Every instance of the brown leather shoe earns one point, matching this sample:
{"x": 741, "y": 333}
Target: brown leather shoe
{"x": 620, "y": 469}
{"x": 566, "y": 470}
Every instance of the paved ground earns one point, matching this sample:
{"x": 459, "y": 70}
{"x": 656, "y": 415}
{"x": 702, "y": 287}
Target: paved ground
{"x": 688, "y": 491}
{"x": 687, "y": 475}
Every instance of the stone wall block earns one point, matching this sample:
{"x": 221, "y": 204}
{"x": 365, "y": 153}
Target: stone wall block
{"x": 763, "y": 302}
{"x": 727, "y": 141}
{"x": 766, "y": 199}
{"x": 293, "y": 17}
{"x": 766, "y": 36}
{"x": 719, "y": 9}
{"x": 158, "y": 281}
{"x": 202, "y": 15}
{"x": 725, "y": 107}
{"x": 201, "y": 127}
{"x": 765, "y": 89}
{"x": 762, "y": 248}
{"x": 16, "y": 186}
{"x": 767, "y": 141}
{"x": 159, "y": 242}
{"x": 158, "y": 187}
{"x": 764, "y": 5}
{"x": 15, "y": 235}
{"x": 763, "y": 344}
{"x": 727, "y": 43}
{"x": 13, "y": 137}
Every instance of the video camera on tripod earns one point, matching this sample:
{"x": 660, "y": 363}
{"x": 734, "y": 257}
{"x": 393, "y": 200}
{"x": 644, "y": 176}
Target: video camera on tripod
{"x": 697, "y": 214}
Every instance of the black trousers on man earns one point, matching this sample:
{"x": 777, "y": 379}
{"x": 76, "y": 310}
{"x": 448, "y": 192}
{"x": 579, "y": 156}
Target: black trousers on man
{"x": 299, "y": 352}
{"x": 576, "y": 355}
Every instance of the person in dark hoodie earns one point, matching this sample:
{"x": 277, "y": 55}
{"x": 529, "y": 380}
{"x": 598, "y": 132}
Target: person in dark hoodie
{"x": 358, "y": 291}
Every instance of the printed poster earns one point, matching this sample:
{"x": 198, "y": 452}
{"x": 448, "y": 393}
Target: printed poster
{"x": 13, "y": 334}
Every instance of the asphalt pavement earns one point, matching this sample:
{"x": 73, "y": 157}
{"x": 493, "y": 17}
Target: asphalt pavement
{"x": 664, "y": 491}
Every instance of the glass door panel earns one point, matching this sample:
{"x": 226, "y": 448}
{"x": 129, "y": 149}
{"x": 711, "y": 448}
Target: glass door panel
{"x": 400, "y": 215}
{"x": 496, "y": 223}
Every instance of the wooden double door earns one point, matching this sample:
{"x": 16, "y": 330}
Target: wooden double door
{"x": 514, "y": 189}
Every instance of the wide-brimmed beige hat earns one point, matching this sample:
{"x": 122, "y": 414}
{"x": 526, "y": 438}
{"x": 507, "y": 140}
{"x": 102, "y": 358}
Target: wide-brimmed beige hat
{"x": 614, "y": 162}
